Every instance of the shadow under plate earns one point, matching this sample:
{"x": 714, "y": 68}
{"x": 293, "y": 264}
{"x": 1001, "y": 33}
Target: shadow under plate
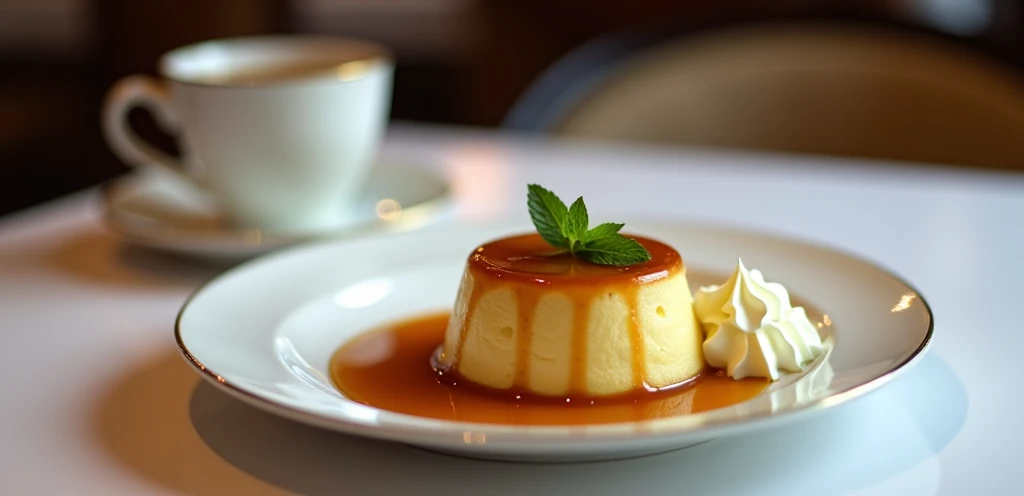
{"x": 883, "y": 435}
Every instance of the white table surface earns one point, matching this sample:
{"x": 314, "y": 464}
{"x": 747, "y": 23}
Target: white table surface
{"x": 96, "y": 399}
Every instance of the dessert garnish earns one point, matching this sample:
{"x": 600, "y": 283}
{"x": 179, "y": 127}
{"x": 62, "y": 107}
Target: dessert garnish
{"x": 751, "y": 328}
{"x": 578, "y": 325}
{"x": 566, "y": 228}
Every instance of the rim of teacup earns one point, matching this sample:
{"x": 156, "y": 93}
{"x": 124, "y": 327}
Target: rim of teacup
{"x": 344, "y": 59}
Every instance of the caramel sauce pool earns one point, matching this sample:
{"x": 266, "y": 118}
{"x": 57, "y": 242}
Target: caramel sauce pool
{"x": 390, "y": 368}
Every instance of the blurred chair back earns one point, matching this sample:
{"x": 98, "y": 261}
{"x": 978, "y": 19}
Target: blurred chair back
{"x": 822, "y": 89}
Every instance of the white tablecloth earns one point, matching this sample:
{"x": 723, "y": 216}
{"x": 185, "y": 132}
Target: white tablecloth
{"x": 96, "y": 399}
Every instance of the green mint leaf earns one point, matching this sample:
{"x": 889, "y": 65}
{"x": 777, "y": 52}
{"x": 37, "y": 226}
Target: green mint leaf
{"x": 601, "y": 231}
{"x": 548, "y": 213}
{"x": 614, "y": 250}
{"x": 576, "y": 223}
{"x": 566, "y": 228}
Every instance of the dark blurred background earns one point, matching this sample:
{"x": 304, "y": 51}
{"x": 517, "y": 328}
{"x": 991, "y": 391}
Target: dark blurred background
{"x": 459, "y": 62}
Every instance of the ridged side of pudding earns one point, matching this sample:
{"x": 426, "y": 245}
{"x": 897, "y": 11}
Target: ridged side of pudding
{"x": 527, "y": 318}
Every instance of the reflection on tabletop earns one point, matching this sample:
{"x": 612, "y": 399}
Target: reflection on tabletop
{"x": 162, "y": 423}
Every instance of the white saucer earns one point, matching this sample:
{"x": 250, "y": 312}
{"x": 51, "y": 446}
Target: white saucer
{"x": 152, "y": 209}
{"x": 264, "y": 332}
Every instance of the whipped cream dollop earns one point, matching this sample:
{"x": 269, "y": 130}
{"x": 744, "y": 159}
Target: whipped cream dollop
{"x": 752, "y": 330}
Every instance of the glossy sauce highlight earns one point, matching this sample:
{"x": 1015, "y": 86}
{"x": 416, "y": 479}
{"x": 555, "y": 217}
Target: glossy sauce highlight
{"x": 390, "y": 369}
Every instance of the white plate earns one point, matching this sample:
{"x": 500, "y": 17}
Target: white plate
{"x": 154, "y": 210}
{"x": 264, "y": 332}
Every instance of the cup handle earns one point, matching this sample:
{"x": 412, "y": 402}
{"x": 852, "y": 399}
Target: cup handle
{"x": 148, "y": 93}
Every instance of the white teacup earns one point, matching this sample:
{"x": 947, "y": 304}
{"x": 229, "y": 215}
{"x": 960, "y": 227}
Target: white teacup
{"x": 281, "y": 130}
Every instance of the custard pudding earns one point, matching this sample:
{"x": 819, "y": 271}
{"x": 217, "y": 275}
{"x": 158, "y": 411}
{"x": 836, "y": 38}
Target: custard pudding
{"x": 531, "y": 319}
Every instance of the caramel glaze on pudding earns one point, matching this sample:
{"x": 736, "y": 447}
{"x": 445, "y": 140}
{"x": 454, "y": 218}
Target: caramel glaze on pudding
{"x": 534, "y": 322}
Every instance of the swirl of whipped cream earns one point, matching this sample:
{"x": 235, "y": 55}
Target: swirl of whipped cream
{"x": 752, "y": 330}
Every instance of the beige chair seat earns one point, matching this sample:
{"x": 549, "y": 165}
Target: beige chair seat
{"x": 824, "y": 89}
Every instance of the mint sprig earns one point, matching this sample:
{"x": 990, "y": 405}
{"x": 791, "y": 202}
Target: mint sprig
{"x": 548, "y": 214}
{"x": 566, "y": 228}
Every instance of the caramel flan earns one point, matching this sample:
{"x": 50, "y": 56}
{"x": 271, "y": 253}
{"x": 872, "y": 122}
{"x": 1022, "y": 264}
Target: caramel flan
{"x": 531, "y": 318}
